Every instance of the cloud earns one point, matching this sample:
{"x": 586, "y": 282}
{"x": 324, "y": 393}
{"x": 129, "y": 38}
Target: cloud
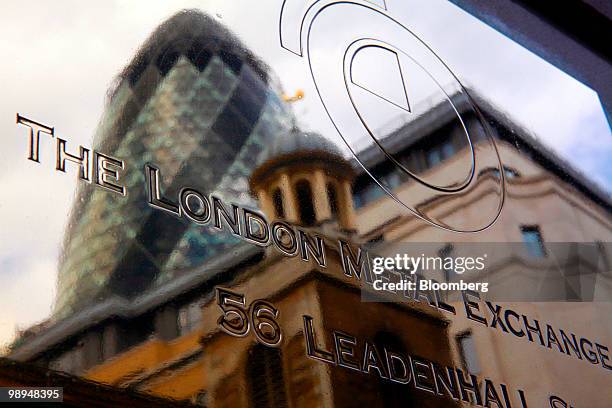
{"x": 28, "y": 290}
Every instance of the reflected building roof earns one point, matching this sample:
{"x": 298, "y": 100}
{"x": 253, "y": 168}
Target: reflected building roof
{"x": 298, "y": 141}
{"x": 409, "y": 133}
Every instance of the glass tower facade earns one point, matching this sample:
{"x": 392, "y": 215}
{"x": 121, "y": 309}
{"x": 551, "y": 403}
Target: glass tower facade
{"x": 199, "y": 106}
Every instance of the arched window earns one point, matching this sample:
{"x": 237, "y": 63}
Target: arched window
{"x": 305, "y": 204}
{"x": 265, "y": 371}
{"x": 277, "y": 199}
{"x": 393, "y": 394}
{"x": 332, "y": 197}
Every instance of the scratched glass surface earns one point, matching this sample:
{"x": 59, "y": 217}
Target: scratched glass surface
{"x": 188, "y": 189}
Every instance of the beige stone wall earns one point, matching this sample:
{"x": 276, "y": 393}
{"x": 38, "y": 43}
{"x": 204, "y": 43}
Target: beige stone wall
{"x": 563, "y": 214}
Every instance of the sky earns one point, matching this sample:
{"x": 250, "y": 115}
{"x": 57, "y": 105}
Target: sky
{"x": 61, "y": 57}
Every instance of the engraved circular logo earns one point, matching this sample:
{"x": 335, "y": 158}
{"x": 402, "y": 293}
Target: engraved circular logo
{"x": 365, "y": 66}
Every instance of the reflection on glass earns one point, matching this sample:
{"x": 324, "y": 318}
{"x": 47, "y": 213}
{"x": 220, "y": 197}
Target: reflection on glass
{"x": 387, "y": 166}
{"x": 533, "y": 241}
{"x": 192, "y": 95}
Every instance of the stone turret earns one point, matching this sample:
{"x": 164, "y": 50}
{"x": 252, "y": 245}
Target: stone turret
{"x": 304, "y": 179}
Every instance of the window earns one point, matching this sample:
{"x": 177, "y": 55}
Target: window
{"x": 134, "y": 332}
{"x": 438, "y": 153}
{"x": 265, "y": 370}
{"x": 601, "y": 248}
{"x": 392, "y": 179}
{"x": 306, "y": 207}
{"x": 447, "y": 150}
{"x": 532, "y": 238}
{"x": 511, "y": 173}
{"x": 333, "y": 199}
{"x": 469, "y": 355}
{"x": 277, "y": 200}
{"x": 369, "y": 193}
{"x": 433, "y": 157}
{"x": 377, "y": 239}
{"x": 393, "y": 394}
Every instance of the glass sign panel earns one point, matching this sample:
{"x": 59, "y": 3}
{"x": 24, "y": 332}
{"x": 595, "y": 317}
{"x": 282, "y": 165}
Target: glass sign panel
{"x": 298, "y": 203}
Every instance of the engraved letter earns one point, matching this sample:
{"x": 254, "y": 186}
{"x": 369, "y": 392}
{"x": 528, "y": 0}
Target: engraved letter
{"x": 102, "y": 172}
{"x": 311, "y": 344}
{"x": 155, "y": 199}
{"x": 355, "y": 265}
{"x": 82, "y": 160}
{"x": 35, "y": 129}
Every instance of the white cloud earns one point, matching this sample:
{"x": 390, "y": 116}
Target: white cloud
{"x": 28, "y": 290}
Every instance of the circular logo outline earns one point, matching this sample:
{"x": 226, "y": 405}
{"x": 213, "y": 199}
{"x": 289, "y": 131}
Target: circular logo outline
{"x": 308, "y": 17}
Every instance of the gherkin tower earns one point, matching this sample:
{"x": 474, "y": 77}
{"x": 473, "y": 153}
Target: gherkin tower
{"x": 201, "y": 107}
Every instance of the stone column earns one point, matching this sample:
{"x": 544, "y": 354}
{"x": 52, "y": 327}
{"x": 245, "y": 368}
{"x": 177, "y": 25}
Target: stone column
{"x": 347, "y": 215}
{"x": 320, "y": 198}
{"x": 265, "y": 204}
{"x": 290, "y": 203}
